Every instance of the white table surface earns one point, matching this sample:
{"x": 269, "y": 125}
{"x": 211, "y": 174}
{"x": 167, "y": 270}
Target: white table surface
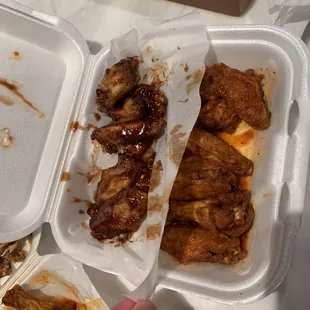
{"x": 102, "y": 20}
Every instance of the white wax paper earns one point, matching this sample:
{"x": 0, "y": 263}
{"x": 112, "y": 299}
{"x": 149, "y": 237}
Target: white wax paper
{"x": 293, "y": 15}
{"x": 174, "y": 52}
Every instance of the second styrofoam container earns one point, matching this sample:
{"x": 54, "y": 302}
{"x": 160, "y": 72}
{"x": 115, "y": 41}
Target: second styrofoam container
{"x": 280, "y": 170}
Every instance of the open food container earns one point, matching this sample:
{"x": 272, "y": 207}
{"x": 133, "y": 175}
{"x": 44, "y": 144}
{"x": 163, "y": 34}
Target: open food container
{"x": 51, "y": 65}
{"x": 56, "y": 276}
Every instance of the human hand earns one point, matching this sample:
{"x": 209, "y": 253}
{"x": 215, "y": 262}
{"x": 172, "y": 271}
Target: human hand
{"x": 128, "y": 304}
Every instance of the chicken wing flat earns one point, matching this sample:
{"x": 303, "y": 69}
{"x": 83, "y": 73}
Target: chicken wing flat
{"x": 197, "y": 189}
{"x": 116, "y": 179}
{"x": 135, "y": 150}
{"x": 216, "y": 115}
{"x": 118, "y": 81}
{"x": 199, "y": 212}
{"x": 20, "y": 300}
{"x": 188, "y": 244}
{"x": 119, "y": 216}
{"x": 242, "y": 91}
{"x": 111, "y": 136}
{"x": 195, "y": 168}
{"x": 219, "y": 153}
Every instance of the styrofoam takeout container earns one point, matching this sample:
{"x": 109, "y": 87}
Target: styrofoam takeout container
{"x": 60, "y": 76}
{"x": 31, "y": 250}
{"x": 56, "y": 275}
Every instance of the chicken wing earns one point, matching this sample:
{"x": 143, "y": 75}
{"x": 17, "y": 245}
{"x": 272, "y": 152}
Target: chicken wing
{"x": 118, "y": 81}
{"x": 219, "y": 153}
{"x": 119, "y": 216}
{"x": 20, "y": 300}
{"x": 135, "y": 150}
{"x": 216, "y": 115}
{"x": 199, "y": 212}
{"x": 188, "y": 244}
{"x": 111, "y": 136}
{"x": 242, "y": 91}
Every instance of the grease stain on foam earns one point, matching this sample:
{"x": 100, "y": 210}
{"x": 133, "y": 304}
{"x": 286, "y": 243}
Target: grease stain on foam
{"x": 45, "y": 277}
{"x": 97, "y": 116}
{"x": 153, "y": 231}
{"x": 65, "y": 176}
{"x": 177, "y": 144}
{"x": 6, "y": 138}
{"x": 156, "y": 176}
{"x": 16, "y": 92}
{"x": 75, "y": 125}
{"x": 83, "y": 225}
{"x": 16, "y": 55}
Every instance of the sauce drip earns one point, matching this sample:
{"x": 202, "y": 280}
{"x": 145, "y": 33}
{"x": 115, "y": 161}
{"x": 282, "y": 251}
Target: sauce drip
{"x": 74, "y": 126}
{"x": 14, "y": 89}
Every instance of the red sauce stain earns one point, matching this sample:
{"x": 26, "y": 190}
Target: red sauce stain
{"x": 68, "y": 190}
{"x": 196, "y": 79}
{"x": 14, "y": 89}
{"x": 16, "y": 55}
{"x": 266, "y": 195}
{"x": 240, "y": 140}
{"x": 148, "y": 48}
{"x": 79, "y": 200}
{"x": 65, "y": 176}
{"x": 74, "y": 126}
{"x": 6, "y": 100}
{"x": 186, "y": 68}
{"x": 97, "y": 116}
{"x": 83, "y": 225}
{"x": 81, "y": 211}
{"x": 156, "y": 175}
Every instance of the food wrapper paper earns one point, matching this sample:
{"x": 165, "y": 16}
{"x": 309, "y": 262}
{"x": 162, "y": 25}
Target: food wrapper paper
{"x": 172, "y": 55}
{"x": 62, "y": 277}
{"x": 293, "y": 15}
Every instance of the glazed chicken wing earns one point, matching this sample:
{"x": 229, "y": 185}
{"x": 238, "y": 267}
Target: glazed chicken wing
{"x": 112, "y": 136}
{"x": 242, "y": 91}
{"x": 121, "y": 215}
{"x": 188, "y": 244}
{"x": 20, "y": 300}
{"x": 216, "y": 115}
{"x": 219, "y": 153}
{"x": 118, "y": 81}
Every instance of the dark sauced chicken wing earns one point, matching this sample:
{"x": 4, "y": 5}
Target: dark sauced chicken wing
{"x": 219, "y": 153}
{"x": 216, "y": 115}
{"x": 146, "y": 102}
{"x": 118, "y": 81}
{"x": 188, "y": 244}
{"x": 20, "y": 300}
{"x": 112, "y": 136}
{"x": 121, "y": 215}
{"x": 242, "y": 91}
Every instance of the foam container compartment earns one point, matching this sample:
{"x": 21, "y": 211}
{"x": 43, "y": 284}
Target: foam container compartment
{"x": 31, "y": 250}
{"x": 56, "y": 275}
{"x": 59, "y": 76}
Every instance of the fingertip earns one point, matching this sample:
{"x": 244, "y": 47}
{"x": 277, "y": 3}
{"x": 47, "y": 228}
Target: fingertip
{"x": 126, "y": 304}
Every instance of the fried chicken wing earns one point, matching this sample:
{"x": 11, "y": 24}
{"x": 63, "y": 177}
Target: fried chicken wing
{"x": 119, "y": 216}
{"x": 195, "y": 168}
{"x": 219, "y": 153}
{"x": 135, "y": 150}
{"x": 216, "y": 115}
{"x": 132, "y": 110}
{"x": 118, "y": 81}
{"x": 194, "y": 212}
{"x": 188, "y": 244}
{"x": 20, "y": 300}
{"x": 242, "y": 91}
{"x": 197, "y": 189}
{"x": 128, "y": 132}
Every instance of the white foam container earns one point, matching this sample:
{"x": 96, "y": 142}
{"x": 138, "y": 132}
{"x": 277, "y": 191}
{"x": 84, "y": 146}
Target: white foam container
{"x": 60, "y": 76}
{"x": 31, "y": 250}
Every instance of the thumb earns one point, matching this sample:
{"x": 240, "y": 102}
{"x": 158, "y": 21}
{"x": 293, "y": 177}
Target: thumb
{"x": 144, "y": 305}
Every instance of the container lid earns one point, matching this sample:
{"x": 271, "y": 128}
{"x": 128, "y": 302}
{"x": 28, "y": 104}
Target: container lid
{"x": 43, "y": 61}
